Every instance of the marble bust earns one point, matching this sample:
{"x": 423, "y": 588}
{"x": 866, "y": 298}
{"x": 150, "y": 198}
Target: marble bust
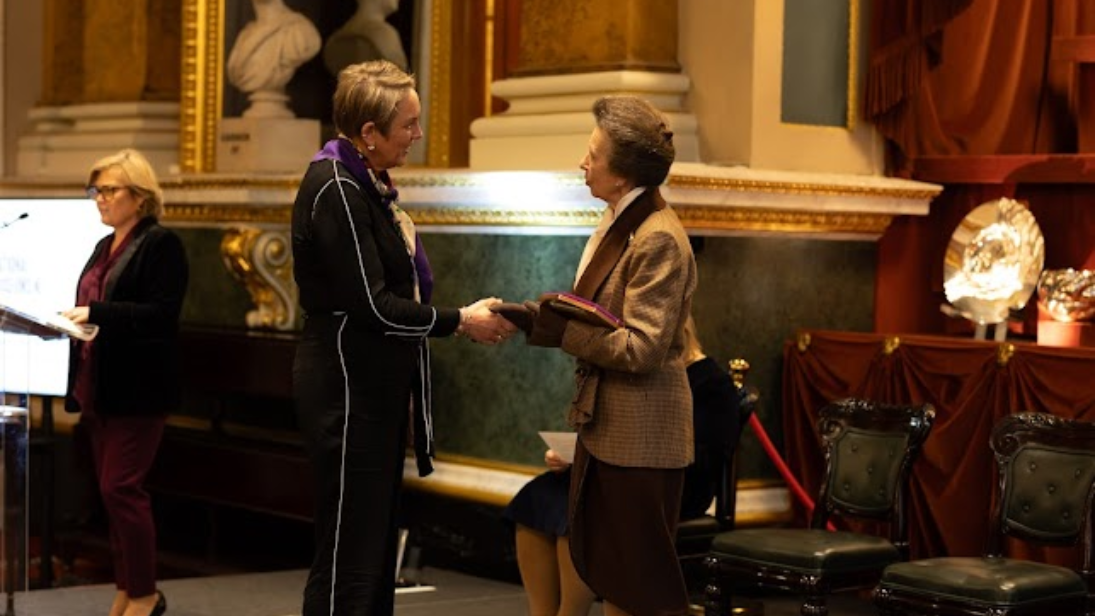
{"x": 366, "y": 36}
{"x": 267, "y": 52}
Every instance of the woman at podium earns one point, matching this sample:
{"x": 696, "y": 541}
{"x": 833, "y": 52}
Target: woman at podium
{"x": 124, "y": 382}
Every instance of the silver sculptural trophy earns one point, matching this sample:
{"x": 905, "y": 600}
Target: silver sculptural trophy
{"x": 1067, "y": 295}
{"x": 992, "y": 265}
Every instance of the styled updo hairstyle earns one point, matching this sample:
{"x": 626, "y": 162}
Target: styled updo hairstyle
{"x": 369, "y": 92}
{"x": 642, "y": 144}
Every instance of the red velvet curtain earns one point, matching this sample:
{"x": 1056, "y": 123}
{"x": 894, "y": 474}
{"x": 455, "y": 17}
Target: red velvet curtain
{"x": 958, "y": 77}
{"x": 972, "y": 385}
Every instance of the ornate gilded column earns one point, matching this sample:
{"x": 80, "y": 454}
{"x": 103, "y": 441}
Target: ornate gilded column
{"x": 572, "y": 52}
{"x": 573, "y": 36}
{"x": 62, "y": 65}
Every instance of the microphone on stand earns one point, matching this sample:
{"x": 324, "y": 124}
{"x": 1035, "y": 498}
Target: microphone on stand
{"x": 13, "y": 220}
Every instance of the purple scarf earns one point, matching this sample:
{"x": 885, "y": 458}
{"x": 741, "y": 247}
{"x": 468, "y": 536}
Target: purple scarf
{"x": 344, "y": 152}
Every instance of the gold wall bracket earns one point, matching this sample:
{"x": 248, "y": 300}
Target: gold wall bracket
{"x": 260, "y": 259}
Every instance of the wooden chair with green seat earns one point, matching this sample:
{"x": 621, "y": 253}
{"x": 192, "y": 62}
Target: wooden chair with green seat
{"x": 1045, "y": 496}
{"x": 869, "y": 451}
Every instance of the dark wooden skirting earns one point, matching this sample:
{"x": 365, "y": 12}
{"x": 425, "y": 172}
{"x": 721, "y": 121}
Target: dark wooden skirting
{"x": 234, "y": 441}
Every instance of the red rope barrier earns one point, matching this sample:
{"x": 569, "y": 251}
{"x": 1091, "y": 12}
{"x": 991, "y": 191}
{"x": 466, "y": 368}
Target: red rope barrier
{"x": 781, "y": 466}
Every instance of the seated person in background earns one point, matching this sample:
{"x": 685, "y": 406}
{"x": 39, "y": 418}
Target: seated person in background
{"x": 716, "y": 425}
{"x": 539, "y": 510}
{"x": 539, "y": 514}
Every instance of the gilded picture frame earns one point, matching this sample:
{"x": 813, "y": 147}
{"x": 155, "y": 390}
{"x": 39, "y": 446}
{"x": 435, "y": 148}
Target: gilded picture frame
{"x": 853, "y": 60}
{"x": 202, "y": 96}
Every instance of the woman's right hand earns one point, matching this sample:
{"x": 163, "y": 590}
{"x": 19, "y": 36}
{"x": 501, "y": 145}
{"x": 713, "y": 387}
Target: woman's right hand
{"x": 481, "y": 325}
{"x": 77, "y": 315}
{"x": 555, "y": 462}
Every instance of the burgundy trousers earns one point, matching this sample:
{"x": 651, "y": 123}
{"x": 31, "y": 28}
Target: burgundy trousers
{"x": 124, "y": 449}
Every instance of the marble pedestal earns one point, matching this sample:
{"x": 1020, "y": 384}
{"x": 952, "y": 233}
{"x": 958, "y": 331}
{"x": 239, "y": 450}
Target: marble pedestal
{"x": 549, "y": 119}
{"x": 266, "y": 145}
{"x": 65, "y": 141}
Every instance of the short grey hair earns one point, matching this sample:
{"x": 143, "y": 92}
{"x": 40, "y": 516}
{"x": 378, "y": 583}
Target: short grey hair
{"x": 642, "y": 144}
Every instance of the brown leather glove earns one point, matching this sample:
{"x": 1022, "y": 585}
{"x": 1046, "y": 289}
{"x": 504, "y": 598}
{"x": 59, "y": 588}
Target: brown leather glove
{"x": 518, "y": 314}
{"x": 548, "y": 325}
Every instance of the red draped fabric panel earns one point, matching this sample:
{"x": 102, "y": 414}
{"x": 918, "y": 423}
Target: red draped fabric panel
{"x": 970, "y": 77}
{"x": 972, "y": 385}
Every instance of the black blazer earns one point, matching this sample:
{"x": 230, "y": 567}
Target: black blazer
{"x": 136, "y": 349}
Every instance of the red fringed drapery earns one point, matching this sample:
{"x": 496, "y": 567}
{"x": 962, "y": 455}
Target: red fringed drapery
{"x": 969, "y": 77}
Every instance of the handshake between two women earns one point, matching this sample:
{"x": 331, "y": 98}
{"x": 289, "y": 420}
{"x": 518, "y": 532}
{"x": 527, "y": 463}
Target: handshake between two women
{"x": 492, "y": 321}
{"x": 480, "y": 324}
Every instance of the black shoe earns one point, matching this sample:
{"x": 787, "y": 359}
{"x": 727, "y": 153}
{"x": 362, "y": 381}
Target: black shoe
{"x": 161, "y": 605}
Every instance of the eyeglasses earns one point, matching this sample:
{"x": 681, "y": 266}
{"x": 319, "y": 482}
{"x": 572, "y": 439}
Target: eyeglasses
{"x": 106, "y": 191}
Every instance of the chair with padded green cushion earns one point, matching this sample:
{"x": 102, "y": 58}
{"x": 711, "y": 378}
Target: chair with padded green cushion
{"x": 1046, "y": 487}
{"x": 869, "y": 450}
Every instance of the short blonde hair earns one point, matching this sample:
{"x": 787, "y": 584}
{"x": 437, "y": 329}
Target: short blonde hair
{"x": 693, "y": 350}
{"x": 369, "y": 92}
{"x": 139, "y": 178}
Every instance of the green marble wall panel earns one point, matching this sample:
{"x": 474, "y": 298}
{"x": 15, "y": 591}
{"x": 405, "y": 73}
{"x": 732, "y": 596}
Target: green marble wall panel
{"x": 755, "y": 293}
{"x": 213, "y": 297}
{"x": 490, "y": 402}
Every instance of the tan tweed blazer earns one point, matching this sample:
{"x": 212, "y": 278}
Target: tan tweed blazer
{"x": 634, "y": 377}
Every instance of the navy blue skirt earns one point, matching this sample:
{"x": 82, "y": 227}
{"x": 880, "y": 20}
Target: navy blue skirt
{"x": 542, "y": 504}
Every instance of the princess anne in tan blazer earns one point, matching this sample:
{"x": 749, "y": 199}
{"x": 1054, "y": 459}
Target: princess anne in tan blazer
{"x": 632, "y": 407}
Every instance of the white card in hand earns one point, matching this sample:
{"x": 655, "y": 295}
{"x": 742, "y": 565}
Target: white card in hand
{"x": 562, "y": 443}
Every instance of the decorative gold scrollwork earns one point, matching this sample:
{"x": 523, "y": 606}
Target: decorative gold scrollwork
{"x": 261, "y": 260}
{"x": 738, "y": 368}
{"x": 1004, "y": 353}
{"x": 891, "y": 344}
{"x": 803, "y": 341}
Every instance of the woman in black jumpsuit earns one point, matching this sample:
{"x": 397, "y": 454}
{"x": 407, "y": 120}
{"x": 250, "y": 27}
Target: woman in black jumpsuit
{"x": 361, "y": 377}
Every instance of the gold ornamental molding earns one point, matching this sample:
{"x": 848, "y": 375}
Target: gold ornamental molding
{"x": 734, "y": 219}
{"x": 222, "y": 214}
{"x": 261, "y": 260}
{"x": 230, "y": 182}
{"x": 727, "y": 201}
{"x": 443, "y": 216}
{"x": 802, "y": 341}
{"x": 890, "y": 345}
{"x": 797, "y": 188}
{"x": 201, "y": 92}
{"x": 437, "y": 131}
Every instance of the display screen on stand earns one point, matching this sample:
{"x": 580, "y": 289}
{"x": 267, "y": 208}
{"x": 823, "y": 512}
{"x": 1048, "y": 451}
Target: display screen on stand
{"x": 44, "y": 245}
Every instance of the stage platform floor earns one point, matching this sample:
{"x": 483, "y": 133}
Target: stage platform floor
{"x": 278, "y": 594}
